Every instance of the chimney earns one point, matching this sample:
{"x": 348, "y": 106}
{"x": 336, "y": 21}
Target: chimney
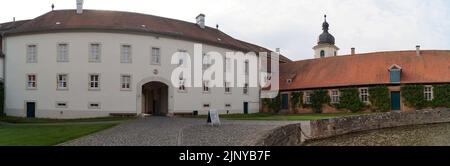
{"x": 353, "y": 50}
{"x": 278, "y": 50}
{"x": 79, "y": 6}
{"x": 418, "y": 50}
{"x": 201, "y": 20}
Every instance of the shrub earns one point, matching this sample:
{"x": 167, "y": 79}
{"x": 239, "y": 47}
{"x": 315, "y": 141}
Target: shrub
{"x": 350, "y": 100}
{"x": 441, "y": 96}
{"x": 379, "y": 98}
{"x": 318, "y": 98}
{"x": 273, "y": 104}
{"x": 413, "y": 96}
{"x": 2, "y": 97}
{"x": 296, "y": 99}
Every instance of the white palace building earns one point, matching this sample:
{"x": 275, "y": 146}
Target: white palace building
{"x": 92, "y": 63}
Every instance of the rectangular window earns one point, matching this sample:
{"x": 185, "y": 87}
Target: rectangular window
{"x": 245, "y": 89}
{"x": 181, "y": 86}
{"x": 182, "y": 57}
{"x": 61, "y": 104}
{"x": 335, "y": 96}
{"x": 31, "y": 81}
{"x": 428, "y": 92}
{"x": 61, "y": 81}
{"x": 94, "y": 82}
{"x": 205, "y": 86}
{"x": 307, "y": 97}
{"x": 206, "y": 61}
{"x": 156, "y": 56}
{"x": 94, "y": 106}
{"x": 364, "y": 94}
{"x": 227, "y": 65}
{"x": 206, "y": 105}
{"x": 227, "y": 105}
{"x": 63, "y": 53}
{"x": 227, "y": 87}
{"x": 95, "y": 53}
{"x": 246, "y": 67}
{"x": 125, "y": 82}
{"x": 125, "y": 54}
{"x": 32, "y": 54}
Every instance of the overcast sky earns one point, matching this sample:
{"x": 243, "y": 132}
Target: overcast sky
{"x": 292, "y": 25}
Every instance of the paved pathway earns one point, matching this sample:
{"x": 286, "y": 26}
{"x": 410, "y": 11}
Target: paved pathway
{"x": 166, "y": 131}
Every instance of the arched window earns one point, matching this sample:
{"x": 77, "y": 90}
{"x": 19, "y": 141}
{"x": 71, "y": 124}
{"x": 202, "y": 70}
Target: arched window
{"x": 322, "y": 54}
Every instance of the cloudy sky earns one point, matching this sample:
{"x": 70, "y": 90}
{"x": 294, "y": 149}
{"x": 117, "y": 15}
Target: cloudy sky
{"x": 292, "y": 25}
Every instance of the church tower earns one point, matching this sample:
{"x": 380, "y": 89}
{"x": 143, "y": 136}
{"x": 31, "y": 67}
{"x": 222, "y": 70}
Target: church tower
{"x": 325, "y": 44}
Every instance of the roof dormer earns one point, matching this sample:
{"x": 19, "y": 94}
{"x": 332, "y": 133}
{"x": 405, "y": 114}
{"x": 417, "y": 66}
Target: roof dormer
{"x": 395, "y": 73}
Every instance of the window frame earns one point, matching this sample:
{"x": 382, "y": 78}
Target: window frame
{"x": 335, "y": 98}
{"x": 182, "y": 85}
{"x": 94, "y": 107}
{"x": 58, "y": 81}
{"x": 206, "y": 89}
{"x": 27, "y": 81}
{"x": 129, "y": 83}
{"x": 430, "y": 92}
{"x": 58, "y": 106}
{"x": 98, "y": 88}
{"x": 28, "y": 55}
{"x": 227, "y": 88}
{"x": 365, "y": 95}
{"x": 60, "y": 58}
{"x": 246, "y": 89}
{"x": 91, "y": 58}
{"x": 152, "y": 55}
{"x": 129, "y": 58}
{"x": 307, "y": 97}
{"x": 322, "y": 53}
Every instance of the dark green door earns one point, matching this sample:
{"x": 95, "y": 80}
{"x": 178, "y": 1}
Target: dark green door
{"x": 31, "y": 109}
{"x": 395, "y": 101}
{"x": 284, "y": 101}
{"x": 245, "y": 107}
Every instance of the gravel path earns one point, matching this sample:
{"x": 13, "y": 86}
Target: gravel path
{"x": 166, "y": 131}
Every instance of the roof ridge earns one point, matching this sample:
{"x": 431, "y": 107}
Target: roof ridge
{"x": 371, "y": 53}
{"x": 143, "y": 14}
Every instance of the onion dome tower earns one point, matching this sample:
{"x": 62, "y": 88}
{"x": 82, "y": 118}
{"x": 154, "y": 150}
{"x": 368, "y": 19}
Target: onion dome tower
{"x": 325, "y": 44}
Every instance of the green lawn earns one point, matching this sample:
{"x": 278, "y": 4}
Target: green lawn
{"x": 16, "y": 131}
{"x": 290, "y": 117}
{"x": 9, "y": 119}
{"x": 46, "y": 135}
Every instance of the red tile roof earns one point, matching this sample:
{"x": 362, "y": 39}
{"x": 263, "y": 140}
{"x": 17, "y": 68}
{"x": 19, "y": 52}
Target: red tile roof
{"x": 130, "y": 22}
{"x": 366, "y": 69}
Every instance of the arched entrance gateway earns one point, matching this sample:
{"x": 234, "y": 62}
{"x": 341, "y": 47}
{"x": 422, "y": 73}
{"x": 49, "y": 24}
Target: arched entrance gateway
{"x": 154, "y": 97}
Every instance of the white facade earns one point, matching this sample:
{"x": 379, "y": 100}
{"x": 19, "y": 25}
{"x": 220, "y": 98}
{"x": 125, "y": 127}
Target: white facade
{"x": 110, "y": 96}
{"x": 325, "y": 50}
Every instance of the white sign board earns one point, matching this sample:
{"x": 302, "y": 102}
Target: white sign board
{"x": 214, "y": 117}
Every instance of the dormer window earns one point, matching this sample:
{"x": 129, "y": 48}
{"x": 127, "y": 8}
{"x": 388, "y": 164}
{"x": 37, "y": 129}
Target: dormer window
{"x": 395, "y": 73}
{"x": 289, "y": 81}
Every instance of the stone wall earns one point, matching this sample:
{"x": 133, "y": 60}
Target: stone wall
{"x": 298, "y": 133}
{"x": 289, "y": 135}
{"x": 332, "y": 127}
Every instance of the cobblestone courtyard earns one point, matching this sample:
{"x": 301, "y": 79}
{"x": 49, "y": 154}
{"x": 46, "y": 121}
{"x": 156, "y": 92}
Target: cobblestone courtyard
{"x": 167, "y": 131}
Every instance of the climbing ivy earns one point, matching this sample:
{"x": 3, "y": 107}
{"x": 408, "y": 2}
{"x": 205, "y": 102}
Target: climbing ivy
{"x": 318, "y": 98}
{"x": 350, "y": 100}
{"x": 296, "y": 99}
{"x": 379, "y": 98}
{"x": 413, "y": 96}
{"x": 2, "y": 95}
{"x": 441, "y": 96}
{"x": 273, "y": 104}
